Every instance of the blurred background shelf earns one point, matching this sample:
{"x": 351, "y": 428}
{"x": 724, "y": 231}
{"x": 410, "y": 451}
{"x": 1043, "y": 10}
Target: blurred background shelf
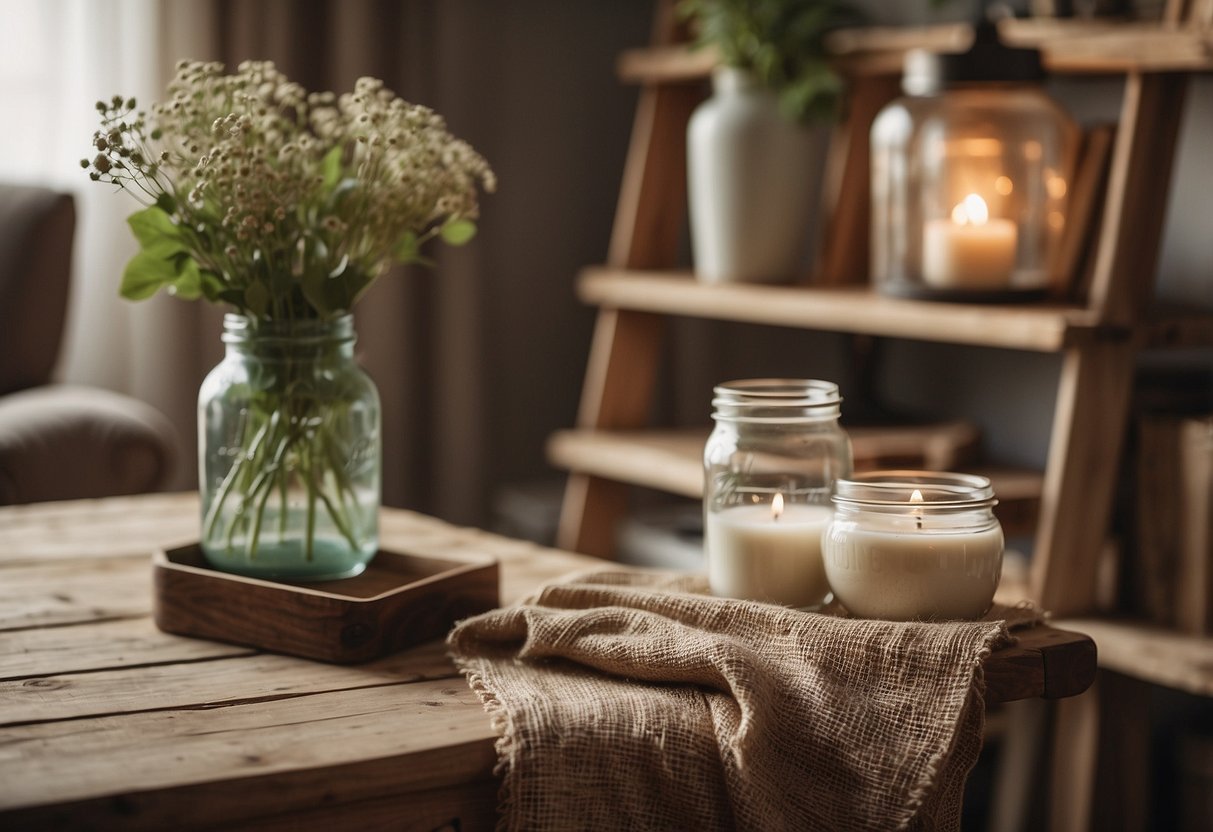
{"x": 1076, "y": 47}
{"x": 671, "y": 460}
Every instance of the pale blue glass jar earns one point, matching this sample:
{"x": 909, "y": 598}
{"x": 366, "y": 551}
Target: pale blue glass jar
{"x": 290, "y": 452}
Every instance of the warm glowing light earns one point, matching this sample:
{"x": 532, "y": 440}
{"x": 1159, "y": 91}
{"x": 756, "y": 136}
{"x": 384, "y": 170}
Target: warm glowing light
{"x": 916, "y": 497}
{"x": 1056, "y": 186}
{"x": 1004, "y": 185}
{"x": 777, "y": 505}
{"x": 1056, "y": 220}
{"x": 972, "y": 210}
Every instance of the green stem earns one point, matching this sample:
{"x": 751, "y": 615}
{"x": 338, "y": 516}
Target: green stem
{"x": 216, "y": 506}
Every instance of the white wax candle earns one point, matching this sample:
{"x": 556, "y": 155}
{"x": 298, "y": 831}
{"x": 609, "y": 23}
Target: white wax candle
{"x": 970, "y": 250}
{"x": 911, "y": 574}
{"x": 756, "y": 555}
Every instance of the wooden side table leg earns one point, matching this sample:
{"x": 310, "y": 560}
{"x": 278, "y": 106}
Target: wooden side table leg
{"x": 1073, "y": 761}
{"x": 1019, "y": 756}
{"x": 1101, "y": 748}
{"x": 1122, "y": 780}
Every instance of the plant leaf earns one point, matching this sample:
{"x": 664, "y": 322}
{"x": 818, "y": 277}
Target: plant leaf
{"x": 212, "y": 286}
{"x": 456, "y": 232}
{"x": 313, "y": 284}
{"x": 188, "y": 285}
{"x": 155, "y": 231}
{"x": 330, "y": 166}
{"x": 407, "y": 248}
{"x": 145, "y": 274}
{"x": 256, "y": 298}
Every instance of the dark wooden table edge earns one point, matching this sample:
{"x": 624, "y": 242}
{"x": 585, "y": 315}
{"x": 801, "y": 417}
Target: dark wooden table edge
{"x": 1044, "y": 662}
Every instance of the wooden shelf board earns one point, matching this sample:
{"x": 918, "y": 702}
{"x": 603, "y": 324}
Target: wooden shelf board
{"x": 666, "y": 64}
{"x": 1036, "y": 327}
{"x": 1171, "y": 327}
{"x": 1039, "y": 327}
{"x": 1067, "y": 47}
{"x": 1149, "y": 653}
{"x": 671, "y": 460}
{"x": 1133, "y": 648}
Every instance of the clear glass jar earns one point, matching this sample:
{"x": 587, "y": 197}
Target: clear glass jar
{"x": 770, "y": 466}
{"x": 289, "y": 452}
{"x": 914, "y": 545}
{"x": 968, "y": 185}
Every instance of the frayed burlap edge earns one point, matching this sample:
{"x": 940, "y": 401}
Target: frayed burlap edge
{"x": 505, "y": 745}
{"x": 928, "y": 784}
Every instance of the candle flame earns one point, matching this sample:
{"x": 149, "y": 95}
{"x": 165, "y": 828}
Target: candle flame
{"x": 916, "y": 497}
{"x": 972, "y": 210}
{"x": 777, "y": 506}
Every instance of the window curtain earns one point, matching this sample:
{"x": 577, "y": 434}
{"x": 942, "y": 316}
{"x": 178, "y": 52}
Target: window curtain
{"x": 477, "y": 359}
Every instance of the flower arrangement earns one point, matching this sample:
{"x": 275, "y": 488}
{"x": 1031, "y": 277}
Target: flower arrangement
{"x": 277, "y": 202}
{"x": 285, "y": 206}
{"x": 782, "y": 42}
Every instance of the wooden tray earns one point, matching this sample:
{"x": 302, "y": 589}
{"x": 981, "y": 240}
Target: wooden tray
{"x": 400, "y": 600}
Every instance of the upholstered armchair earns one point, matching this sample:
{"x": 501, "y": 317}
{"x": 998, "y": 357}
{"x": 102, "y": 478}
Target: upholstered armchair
{"x": 60, "y": 442}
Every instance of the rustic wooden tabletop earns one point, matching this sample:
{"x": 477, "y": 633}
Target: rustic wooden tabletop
{"x": 107, "y": 722}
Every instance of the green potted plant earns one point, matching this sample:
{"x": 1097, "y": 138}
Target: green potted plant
{"x": 754, "y": 147}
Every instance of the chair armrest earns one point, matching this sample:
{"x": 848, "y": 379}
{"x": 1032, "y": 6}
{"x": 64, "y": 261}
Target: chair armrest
{"x": 62, "y": 442}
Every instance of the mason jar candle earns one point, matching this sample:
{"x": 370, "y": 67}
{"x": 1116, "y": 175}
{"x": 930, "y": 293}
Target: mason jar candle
{"x": 770, "y": 466}
{"x": 914, "y": 545}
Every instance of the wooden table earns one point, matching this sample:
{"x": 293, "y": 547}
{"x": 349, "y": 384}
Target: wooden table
{"x": 106, "y": 722}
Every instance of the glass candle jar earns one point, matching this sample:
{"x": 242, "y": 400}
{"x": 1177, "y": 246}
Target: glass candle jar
{"x": 969, "y": 175}
{"x": 914, "y": 545}
{"x": 770, "y": 466}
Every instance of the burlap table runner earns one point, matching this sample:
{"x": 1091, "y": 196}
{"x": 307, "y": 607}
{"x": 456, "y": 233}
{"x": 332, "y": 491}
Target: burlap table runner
{"x": 629, "y": 700}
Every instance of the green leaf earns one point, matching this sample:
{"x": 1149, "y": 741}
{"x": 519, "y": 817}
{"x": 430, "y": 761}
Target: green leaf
{"x": 212, "y": 286}
{"x": 456, "y": 232}
{"x": 314, "y": 282}
{"x": 188, "y": 285}
{"x": 155, "y": 231}
{"x": 145, "y": 274}
{"x": 256, "y": 299}
{"x": 331, "y": 167}
{"x": 407, "y": 248}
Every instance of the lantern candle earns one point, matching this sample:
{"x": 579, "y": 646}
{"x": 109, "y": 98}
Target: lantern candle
{"x": 768, "y": 552}
{"x": 970, "y": 250}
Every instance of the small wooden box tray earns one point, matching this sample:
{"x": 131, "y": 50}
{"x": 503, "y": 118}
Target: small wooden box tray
{"x": 400, "y": 600}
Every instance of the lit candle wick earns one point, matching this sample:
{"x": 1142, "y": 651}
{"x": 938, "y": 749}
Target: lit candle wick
{"x": 777, "y": 506}
{"x": 916, "y": 497}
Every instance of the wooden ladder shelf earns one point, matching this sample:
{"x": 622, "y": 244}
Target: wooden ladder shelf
{"x": 1098, "y": 334}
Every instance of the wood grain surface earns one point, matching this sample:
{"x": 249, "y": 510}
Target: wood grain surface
{"x": 106, "y": 722}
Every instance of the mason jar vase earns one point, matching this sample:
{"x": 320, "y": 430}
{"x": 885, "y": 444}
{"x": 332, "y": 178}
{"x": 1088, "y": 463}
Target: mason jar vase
{"x": 289, "y": 452}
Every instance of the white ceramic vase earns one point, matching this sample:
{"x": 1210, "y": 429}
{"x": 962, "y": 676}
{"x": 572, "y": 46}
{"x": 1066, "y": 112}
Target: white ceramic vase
{"x": 753, "y": 180}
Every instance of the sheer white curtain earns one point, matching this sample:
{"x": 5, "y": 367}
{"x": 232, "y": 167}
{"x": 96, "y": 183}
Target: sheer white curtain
{"x": 57, "y": 58}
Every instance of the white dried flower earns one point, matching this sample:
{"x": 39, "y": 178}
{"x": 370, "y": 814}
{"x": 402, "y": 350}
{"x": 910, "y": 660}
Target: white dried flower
{"x": 258, "y": 168}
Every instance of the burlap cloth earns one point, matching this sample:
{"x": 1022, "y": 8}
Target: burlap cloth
{"x": 628, "y": 700}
